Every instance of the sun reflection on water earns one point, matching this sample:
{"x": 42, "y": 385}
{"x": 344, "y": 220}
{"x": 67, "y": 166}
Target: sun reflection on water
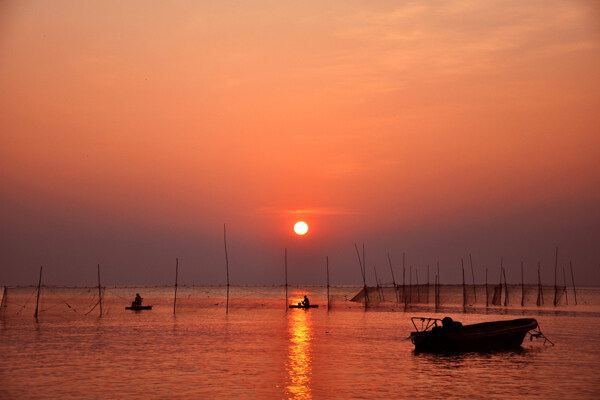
{"x": 299, "y": 363}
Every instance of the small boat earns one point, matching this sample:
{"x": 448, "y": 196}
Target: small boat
{"x": 299, "y": 305}
{"x": 446, "y": 335}
{"x": 138, "y": 308}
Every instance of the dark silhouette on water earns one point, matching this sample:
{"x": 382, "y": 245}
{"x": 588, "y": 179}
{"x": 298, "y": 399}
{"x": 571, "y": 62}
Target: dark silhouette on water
{"x": 452, "y": 336}
{"x": 304, "y": 304}
{"x": 136, "y": 304}
{"x": 138, "y": 301}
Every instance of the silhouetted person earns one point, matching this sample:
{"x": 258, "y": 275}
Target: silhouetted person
{"x": 138, "y": 301}
{"x": 449, "y": 325}
{"x": 305, "y": 302}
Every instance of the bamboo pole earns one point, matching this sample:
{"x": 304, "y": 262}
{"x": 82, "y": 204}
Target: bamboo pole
{"x": 439, "y": 281}
{"x": 37, "y": 301}
{"x": 4, "y": 299}
{"x": 462, "y": 264}
{"x": 573, "y": 281}
{"x": 505, "y": 288}
{"x": 175, "y": 295}
{"x": 427, "y": 283}
{"x": 403, "y": 280}
{"x": 522, "y": 286}
{"x": 99, "y": 291}
{"x": 393, "y": 279}
{"x": 418, "y": 291}
{"x": 226, "y": 268}
{"x": 555, "y": 272}
{"x": 487, "y": 295}
{"x": 328, "y": 304}
{"x": 379, "y": 290}
{"x": 540, "y": 298}
{"x": 364, "y": 263}
{"x": 473, "y": 277}
{"x": 435, "y": 292}
{"x": 565, "y": 286}
{"x": 410, "y": 284}
{"x": 362, "y": 270}
{"x": 286, "y": 281}
{"x": 500, "y": 283}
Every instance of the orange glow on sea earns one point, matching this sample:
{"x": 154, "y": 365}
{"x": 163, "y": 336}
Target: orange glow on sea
{"x": 299, "y": 362}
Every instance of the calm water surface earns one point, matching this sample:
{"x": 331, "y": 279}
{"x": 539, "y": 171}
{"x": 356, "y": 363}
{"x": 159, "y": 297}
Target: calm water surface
{"x": 260, "y": 350}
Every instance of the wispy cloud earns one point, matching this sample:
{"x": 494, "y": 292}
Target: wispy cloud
{"x": 306, "y": 211}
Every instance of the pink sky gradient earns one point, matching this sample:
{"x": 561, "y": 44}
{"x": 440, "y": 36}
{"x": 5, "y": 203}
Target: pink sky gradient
{"x": 131, "y": 131}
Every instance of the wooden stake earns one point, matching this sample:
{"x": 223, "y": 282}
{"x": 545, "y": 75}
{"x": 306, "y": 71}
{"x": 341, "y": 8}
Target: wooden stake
{"x": 427, "y": 283}
{"x": 555, "y": 273}
{"x": 286, "y": 284}
{"x": 439, "y": 281}
{"x": 418, "y": 291}
{"x": 393, "y": 279}
{"x": 226, "y": 268}
{"x": 487, "y": 295}
{"x": 364, "y": 261}
{"x": 362, "y": 270}
{"x": 463, "y": 284}
{"x": 403, "y": 281}
{"x": 37, "y": 301}
{"x": 500, "y": 284}
{"x": 365, "y": 269}
{"x": 328, "y": 304}
{"x": 379, "y": 290}
{"x": 176, "y": 273}
{"x": 573, "y": 280}
{"x": 410, "y": 284}
{"x": 435, "y": 292}
{"x": 473, "y": 277}
{"x": 540, "y": 298}
{"x": 4, "y": 299}
{"x": 522, "y": 286}
{"x": 505, "y": 288}
{"x": 565, "y": 286}
{"x": 99, "y": 291}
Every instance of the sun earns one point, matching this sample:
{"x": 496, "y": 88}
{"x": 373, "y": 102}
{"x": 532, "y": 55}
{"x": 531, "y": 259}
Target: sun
{"x": 301, "y": 228}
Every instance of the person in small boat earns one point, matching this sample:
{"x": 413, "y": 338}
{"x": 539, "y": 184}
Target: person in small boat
{"x": 138, "y": 301}
{"x": 305, "y": 302}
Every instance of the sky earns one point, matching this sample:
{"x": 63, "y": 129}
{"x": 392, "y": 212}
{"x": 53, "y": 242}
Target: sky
{"x": 131, "y": 132}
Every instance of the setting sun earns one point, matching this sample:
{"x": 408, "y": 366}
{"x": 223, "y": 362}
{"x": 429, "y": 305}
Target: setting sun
{"x": 301, "y": 228}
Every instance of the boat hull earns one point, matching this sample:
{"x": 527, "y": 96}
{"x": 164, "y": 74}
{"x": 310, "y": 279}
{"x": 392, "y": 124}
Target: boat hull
{"x": 498, "y": 335}
{"x": 304, "y": 307}
{"x": 138, "y": 308}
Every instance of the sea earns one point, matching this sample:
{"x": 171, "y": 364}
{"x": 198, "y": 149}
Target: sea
{"x": 197, "y": 344}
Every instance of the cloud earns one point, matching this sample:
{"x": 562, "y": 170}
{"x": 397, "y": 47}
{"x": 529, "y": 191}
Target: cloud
{"x": 306, "y": 211}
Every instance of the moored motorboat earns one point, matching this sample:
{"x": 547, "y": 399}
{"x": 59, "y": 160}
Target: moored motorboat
{"x": 437, "y": 335}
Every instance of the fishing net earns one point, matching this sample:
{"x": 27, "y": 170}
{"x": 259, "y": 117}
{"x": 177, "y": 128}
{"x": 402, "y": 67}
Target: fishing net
{"x": 378, "y": 294}
{"x": 560, "y": 296}
{"x": 496, "y": 295}
{"x": 196, "y": 298}
{"x": 418, "y": 294}
{"x": 51, "y": 301}
{"x": 453, "y": 296}
{"x": 528, "y": 295}
{"x": 540, "y": 296}
{"x": 406, "y": 295}
{"x": 470, "y": 295}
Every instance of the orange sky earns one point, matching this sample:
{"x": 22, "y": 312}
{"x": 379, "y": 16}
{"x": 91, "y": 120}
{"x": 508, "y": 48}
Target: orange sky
{"x": 131, "y": 131}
